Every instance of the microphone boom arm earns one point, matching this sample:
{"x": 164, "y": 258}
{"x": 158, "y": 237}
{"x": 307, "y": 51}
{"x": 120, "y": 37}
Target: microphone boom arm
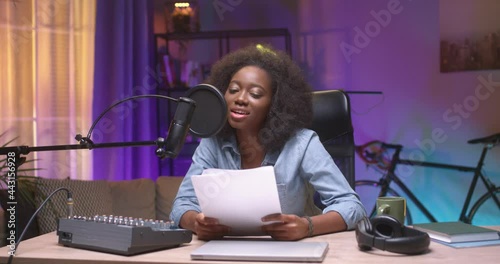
{"x": 86, "y": 142}
{"x": 24, "y": 150}
{"x": 125, "y": 100}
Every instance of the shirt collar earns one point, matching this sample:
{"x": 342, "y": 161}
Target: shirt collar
{"x": 231, "y": 144}
{"x": 269, "y": 160}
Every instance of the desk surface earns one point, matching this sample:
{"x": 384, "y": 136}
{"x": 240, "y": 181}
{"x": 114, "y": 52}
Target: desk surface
{"x": 343, "y": 249}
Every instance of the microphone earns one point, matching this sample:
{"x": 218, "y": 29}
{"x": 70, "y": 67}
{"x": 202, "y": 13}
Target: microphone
{"x": 201, "y": 112}
{"x": 178, "y": 129}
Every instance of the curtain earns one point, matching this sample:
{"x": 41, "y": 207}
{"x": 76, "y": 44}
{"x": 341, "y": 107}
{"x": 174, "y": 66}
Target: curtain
{"x": 124, "y": 60}
{"x": 46, "y": 80}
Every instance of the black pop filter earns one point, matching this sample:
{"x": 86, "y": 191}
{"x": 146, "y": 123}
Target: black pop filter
{"x": 210, "y": 113}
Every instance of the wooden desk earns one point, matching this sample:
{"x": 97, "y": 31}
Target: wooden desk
{"x": 343, "y": 249}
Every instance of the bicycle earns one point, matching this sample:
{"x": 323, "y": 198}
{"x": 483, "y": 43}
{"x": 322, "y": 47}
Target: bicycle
{"x": 376, "y": 153}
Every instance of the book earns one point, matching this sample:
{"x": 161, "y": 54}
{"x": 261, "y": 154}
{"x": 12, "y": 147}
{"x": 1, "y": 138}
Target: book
{"x": 453, "y": 232}
{"x": 483, "y": 243}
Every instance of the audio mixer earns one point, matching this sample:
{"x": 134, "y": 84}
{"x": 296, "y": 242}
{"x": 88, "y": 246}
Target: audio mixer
{"x": 120, "y": 235}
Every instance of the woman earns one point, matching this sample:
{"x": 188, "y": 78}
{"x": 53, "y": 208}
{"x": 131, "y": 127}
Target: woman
{"x": 269, "y": 108}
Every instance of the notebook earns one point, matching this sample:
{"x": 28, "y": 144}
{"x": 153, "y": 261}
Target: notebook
{"x": 266, "y": 250}
{"x": 452, "y": 232}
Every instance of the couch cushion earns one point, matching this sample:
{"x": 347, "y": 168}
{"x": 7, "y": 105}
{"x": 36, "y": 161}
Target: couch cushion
{"x": 134, "y": 198}
{"x": 166, "y": 190}
{"x": 90, "y": 198}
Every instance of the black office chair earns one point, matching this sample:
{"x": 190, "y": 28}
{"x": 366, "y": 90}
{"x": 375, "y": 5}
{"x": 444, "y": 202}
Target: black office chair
{"x": 332, "y": 122}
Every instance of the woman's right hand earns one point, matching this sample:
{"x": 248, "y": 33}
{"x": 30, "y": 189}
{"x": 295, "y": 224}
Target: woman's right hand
{"x": 207, "y": 228}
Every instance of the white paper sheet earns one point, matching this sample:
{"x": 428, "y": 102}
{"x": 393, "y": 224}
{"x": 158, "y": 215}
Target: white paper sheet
{"x": 238, "y": 198}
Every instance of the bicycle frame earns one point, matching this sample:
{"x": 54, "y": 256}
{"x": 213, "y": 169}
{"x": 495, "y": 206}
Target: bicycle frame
{"x": 391, "y": 176}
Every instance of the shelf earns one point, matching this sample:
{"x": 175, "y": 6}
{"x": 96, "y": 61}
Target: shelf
{"x": 230, "y": 34}
{"x": 218, "y": 34}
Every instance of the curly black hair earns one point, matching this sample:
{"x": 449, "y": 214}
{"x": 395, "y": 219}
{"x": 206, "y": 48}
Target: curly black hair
{"x": 291, "y": 105}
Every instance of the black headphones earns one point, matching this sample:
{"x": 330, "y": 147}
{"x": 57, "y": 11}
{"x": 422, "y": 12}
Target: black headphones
{"x": 387, "y": 233}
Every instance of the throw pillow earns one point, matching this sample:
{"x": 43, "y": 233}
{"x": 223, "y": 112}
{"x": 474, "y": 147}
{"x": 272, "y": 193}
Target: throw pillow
{"x": 90, "y": 198}
{"x": 134, "y": 198}
{"x": 166, "y": 190}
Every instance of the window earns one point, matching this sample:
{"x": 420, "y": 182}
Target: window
{"x": 46, "y": 80}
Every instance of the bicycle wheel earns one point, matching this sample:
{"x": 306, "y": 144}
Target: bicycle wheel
{"x": 368, "y": 192}
{"x": 485, "y": 210}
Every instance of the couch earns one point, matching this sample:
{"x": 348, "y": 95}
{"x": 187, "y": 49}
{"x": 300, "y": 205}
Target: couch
{"x": 139, "y": 198}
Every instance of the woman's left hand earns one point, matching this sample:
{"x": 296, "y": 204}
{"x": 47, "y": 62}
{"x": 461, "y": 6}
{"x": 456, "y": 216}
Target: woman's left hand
{"x": 286, "y": 226}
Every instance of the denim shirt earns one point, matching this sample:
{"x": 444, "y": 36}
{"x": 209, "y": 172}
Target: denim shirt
{"x": 302, "y": 159}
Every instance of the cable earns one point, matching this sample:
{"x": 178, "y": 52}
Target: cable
{"x": 119, "y": 102}
{"x": 70, "y": 204}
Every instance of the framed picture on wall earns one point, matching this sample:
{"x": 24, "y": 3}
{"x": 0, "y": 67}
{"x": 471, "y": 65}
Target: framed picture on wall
{"x": 469, "y": 35}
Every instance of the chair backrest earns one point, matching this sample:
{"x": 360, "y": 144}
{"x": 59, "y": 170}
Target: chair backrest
{"x": 332, "y": 122}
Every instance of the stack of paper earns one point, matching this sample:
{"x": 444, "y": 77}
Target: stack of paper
{"x": 238, "y": 198}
